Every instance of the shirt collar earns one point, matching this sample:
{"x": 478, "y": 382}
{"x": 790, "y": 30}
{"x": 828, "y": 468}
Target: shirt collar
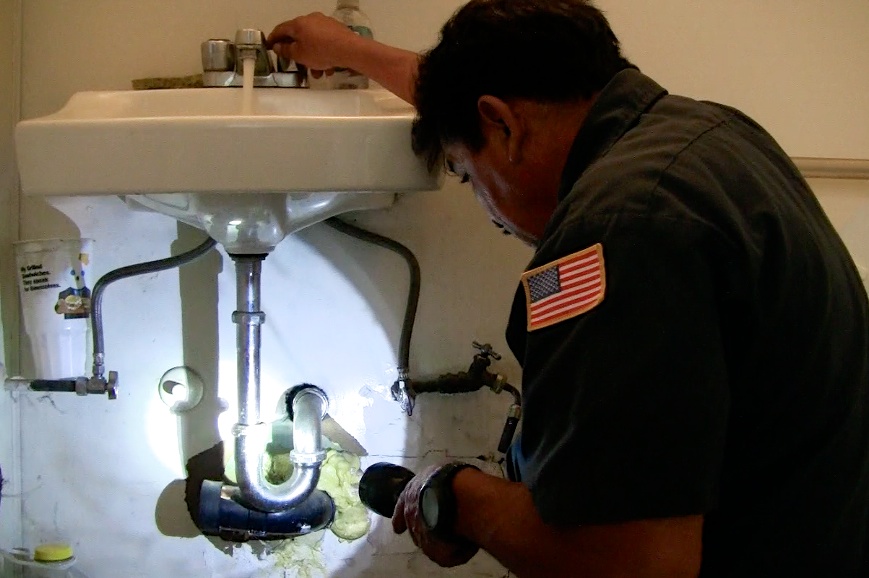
{"x": 618, "y": 107}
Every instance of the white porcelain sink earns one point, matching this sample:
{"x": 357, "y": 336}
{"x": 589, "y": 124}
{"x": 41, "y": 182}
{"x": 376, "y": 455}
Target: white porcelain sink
{"x": 299, "y": 156}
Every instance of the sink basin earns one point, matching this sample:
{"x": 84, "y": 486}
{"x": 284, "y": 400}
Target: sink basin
{"x": 298, "y": 156}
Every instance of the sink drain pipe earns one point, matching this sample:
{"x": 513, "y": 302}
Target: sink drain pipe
{"x": 256, "y": 506}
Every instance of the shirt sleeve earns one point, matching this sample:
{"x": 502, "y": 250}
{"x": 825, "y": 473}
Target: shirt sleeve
{"x": 626, "y": 405}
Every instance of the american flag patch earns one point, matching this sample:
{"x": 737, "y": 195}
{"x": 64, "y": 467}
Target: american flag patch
{"x": 564, "y": 288}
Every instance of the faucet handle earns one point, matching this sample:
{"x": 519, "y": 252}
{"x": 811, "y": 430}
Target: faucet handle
{"x": 486, "y": 351}
{"x": 218, "y": 55}
{"x": 287, "y": 65}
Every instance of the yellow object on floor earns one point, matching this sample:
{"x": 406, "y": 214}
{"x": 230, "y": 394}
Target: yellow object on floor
{"x": 52, "y": 552}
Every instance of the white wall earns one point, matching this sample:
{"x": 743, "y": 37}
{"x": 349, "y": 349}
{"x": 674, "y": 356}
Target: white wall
{"x": 104, "y": 475}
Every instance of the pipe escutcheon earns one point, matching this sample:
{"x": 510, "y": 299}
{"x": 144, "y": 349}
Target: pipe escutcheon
{"x": 298, "y": 391}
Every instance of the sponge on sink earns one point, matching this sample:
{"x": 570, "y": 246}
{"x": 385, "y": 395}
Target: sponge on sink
{"x": 192, "y": 81}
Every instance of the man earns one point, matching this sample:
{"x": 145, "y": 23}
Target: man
{"x": 693, "y": 333}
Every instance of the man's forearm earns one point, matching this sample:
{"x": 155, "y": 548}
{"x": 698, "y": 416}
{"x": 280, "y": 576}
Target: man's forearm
{"x": 393, "y": 68}
{"x": 501, "y": 518}
{"x": 322, "y": 43}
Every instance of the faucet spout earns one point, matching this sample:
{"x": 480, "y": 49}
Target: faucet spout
{"x": 251, "y": 44}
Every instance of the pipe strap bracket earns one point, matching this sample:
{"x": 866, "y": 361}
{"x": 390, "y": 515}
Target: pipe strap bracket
{"x": 307, "y": 458}
{"x": 248, "y": 317}
{"x": 253, "y": 429}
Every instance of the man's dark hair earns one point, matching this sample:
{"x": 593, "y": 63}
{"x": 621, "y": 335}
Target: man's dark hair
{"x": 543, "y": 50}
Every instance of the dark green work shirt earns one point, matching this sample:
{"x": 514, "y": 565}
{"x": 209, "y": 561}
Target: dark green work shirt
{"x": 694, "y": 339}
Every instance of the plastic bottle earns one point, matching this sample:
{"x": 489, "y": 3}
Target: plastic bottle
{"x": 47, "y": 561}
{"x": 347, "y": 12}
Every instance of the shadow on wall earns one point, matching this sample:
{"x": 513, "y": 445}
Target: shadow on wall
{"x": 197, "y": 428}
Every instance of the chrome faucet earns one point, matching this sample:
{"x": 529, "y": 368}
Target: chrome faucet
{"x": 251, "y": 43}
{"x": 222, "y": 63}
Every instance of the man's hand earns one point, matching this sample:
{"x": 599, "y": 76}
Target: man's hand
{"x": 322, "y": 44}
{"x": 317, "y": 41}
{"x": 407, "y": 516}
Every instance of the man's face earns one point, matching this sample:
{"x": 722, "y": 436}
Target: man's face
{"x": 498, "y": 186}
{"x": 517, "y": 172}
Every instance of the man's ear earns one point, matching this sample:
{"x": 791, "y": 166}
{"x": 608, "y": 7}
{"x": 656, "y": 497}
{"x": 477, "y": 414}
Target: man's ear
{"x": 501, "y": 125}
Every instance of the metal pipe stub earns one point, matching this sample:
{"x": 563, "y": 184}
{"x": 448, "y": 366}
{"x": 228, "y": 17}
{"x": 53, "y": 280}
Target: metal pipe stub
{"x": 249, "y": 320}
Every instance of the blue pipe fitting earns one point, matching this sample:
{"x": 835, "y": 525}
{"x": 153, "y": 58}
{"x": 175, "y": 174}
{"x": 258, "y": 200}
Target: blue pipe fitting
{"x": 220, "y": 514}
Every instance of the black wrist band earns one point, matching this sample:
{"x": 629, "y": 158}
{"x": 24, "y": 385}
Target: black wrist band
{"x": 437, "y": 500}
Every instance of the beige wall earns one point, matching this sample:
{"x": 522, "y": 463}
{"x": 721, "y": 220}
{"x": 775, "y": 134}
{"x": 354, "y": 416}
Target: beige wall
{"x": 797, "y": 66}
{"x": 10, "y": 38}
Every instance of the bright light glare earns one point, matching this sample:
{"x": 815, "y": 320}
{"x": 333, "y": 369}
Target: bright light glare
{"x": 161, "y": 426}
{"x": 181, "y": 393}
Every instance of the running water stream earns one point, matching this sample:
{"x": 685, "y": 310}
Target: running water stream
{"x": 248, "y": 65}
